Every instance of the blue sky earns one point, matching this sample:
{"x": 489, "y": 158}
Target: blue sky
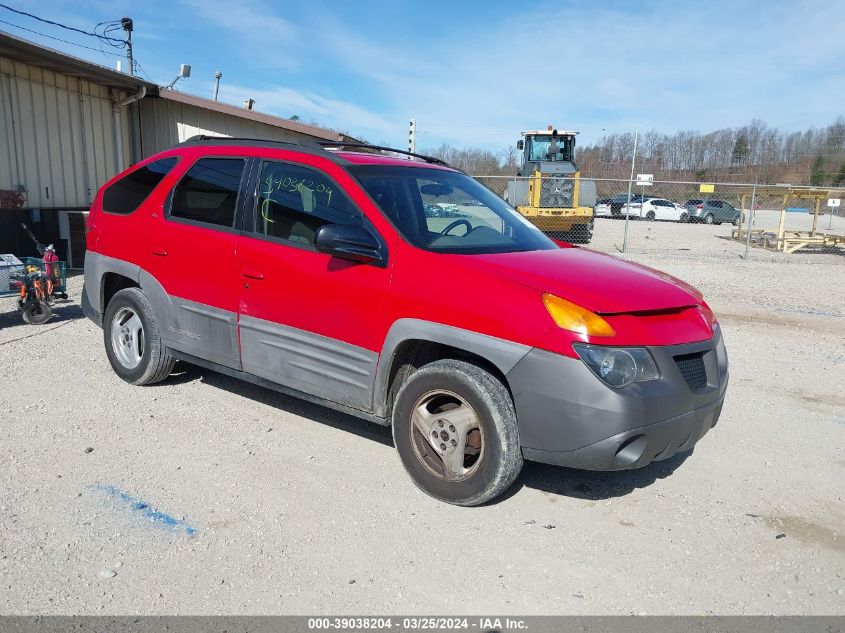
{"x": 477, "y": 73}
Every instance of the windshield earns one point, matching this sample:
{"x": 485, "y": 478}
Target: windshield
{"x": 548, "y": 148}
{"x": 448, "y": 212}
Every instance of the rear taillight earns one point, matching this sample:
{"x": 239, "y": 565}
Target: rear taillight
{"x": 91, "y": 227}
{"x": 699, "y": 206}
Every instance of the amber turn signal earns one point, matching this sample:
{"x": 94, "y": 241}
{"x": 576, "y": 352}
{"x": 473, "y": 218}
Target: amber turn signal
{"x": 574, "y": 318}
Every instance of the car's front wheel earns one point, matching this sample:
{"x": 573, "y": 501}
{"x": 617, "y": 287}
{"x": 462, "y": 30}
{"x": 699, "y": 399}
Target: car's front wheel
{"x": 684, "y": 218}
{"x": 454, "y": 426}
{"x": 133, "y": 343}
{"x": 650, "y": 216}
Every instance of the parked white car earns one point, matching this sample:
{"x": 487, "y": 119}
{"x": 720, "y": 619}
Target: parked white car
{"x": 602, "y": 208}
{"x": 656, "y": 209}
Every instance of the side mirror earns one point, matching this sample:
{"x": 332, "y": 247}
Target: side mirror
{"x": 349, "y": 241}
{"x": 520, "y": 145}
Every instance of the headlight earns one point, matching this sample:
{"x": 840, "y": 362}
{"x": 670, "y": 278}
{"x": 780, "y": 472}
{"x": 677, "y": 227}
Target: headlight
{"x": 618, "y": 367}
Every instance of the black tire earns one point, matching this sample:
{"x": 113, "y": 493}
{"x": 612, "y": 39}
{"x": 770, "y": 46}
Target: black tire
{"x": 36, "y": 312}
{"x": 580, "y": 233}
{"x": 650, "y": 216}
{"x": 735, "y": 221}
{"x": 499, "y": 460}
{"x": 684, "y": 218}
{"x": 155, "y": 363}
{"x": 708, "y": 219}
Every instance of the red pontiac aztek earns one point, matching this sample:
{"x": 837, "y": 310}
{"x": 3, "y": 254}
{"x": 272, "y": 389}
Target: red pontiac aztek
{"x": 402, "y": 291}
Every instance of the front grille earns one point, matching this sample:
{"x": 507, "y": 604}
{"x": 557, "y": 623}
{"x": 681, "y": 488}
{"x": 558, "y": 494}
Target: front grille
{"x": 556, "y": 193}
{"x": 692, "y": 369}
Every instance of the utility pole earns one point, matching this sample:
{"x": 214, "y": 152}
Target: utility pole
{"x": 217, "y": 76}
{"x": 412, "y": 136}
{"x": 630, "y": 182}
{"x": 126, "y": 23}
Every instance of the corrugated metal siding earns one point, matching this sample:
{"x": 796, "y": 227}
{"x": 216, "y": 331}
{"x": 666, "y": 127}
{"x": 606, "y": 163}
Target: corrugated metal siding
{"x": 57, "y": 136}
{"x": 166, "y": 123}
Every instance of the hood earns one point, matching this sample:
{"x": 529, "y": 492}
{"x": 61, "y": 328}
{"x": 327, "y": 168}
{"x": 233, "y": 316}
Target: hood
{"x": 601, "y": 283}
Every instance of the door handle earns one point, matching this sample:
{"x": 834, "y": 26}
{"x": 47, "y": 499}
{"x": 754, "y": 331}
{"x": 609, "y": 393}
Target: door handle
{"x": 157, "y": 250}
{"x": 252, "y": 274}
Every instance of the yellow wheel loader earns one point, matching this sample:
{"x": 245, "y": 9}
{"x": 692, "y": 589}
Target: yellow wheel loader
{"x": 552, "y": 195}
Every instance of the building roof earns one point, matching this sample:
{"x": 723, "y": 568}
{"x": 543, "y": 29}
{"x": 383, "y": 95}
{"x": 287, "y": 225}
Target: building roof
{"x": 252, "y": 115}
{"x": 27, "y": 52}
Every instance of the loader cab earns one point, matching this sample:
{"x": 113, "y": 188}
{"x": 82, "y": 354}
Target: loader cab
{"x": 548, "y": 151}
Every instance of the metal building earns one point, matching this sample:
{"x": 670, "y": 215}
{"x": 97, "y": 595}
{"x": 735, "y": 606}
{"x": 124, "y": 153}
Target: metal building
{"x": 68, "y": 125}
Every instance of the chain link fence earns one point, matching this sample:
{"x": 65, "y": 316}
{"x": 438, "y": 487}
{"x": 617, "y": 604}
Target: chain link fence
{"x": 745, "y": 219}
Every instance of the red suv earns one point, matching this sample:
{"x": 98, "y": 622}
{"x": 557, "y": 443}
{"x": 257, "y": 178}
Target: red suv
{"x": 402, "y": 291}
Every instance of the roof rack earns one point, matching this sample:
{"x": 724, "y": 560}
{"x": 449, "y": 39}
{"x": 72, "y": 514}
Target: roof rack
{"x": 306, "y": 145}
{"x": 242, "y": 140}
{"x": 423, "y": 157}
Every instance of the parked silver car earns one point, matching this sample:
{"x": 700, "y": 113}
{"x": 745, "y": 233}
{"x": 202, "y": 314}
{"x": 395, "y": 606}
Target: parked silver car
{"x": 712, "y": 211}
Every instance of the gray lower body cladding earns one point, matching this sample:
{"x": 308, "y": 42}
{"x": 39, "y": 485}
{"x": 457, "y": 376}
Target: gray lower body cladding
{"x": 568, "y": 417}
{"x": 636, "y": 447}
{"x": 308, "y": 362}
{"x": 88, "y": 310}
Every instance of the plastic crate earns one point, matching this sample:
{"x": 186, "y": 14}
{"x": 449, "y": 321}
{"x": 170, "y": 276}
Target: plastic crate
{"x": 12, "y": 272}
{"x": 11, "y": 268}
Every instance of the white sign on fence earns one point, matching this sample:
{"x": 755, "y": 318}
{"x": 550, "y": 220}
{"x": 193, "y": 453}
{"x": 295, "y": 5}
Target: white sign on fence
{"x": 833, "y": 202}
{"x": 645, "y": 180}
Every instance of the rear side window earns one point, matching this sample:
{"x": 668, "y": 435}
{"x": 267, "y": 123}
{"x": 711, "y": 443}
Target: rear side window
{"x": 129, "y": 192}
{"x": 209, "y": 191}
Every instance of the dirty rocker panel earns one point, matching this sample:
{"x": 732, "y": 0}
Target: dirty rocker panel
{"x": 325, "y": 367}
{"x": 193, "y": 327}
{"x": 269, "y": 384}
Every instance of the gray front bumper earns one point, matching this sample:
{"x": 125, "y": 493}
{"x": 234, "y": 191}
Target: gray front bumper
{"x": 568, "y": 417}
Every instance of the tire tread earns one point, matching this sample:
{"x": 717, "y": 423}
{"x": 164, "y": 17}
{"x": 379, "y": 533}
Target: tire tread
{"x": 500, "y": 402}
{"x": 159, "y": 362}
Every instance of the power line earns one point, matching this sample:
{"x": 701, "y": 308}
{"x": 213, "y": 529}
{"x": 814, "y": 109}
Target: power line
{"x": 143, "y": 72}
{"x": 64, "y": 26}
{"x": 58, "y": 39}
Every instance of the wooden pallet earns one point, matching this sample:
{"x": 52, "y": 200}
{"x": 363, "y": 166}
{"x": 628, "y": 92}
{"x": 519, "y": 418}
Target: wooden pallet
{"x": 790, "y": 241}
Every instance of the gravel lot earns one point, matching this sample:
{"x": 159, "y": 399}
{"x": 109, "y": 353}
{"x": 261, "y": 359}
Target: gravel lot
{"x": 204, "y": 495}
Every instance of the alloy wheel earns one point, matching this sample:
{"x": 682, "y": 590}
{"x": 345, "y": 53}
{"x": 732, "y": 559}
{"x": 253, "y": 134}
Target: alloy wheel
{"x": 127, "y": 337}
{"x": 446, "y": 435}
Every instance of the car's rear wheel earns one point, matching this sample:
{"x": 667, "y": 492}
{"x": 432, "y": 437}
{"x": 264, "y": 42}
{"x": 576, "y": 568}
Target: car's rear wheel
{"x": 454, "y": 426}
{"x": 708, "y": 219}
{"x": 133, "y": 343}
